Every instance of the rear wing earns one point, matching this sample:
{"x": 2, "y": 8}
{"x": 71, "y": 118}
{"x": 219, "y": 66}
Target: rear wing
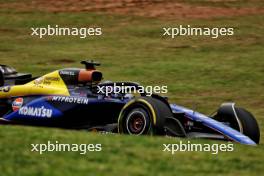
{"x": 9, "y": 76}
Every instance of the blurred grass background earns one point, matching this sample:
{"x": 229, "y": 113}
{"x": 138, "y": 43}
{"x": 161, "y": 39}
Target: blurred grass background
{"x": 197, "y": 70}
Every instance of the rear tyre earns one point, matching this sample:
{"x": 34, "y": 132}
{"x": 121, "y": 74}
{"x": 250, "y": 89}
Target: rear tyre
{"x": 143, "y": 116}
{"x": 4, "y": 107}
{"x": 138, "y": 121}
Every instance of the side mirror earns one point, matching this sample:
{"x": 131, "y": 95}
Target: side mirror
{"x": 2, "y": 78}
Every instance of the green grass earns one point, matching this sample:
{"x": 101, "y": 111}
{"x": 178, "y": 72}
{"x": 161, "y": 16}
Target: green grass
{"x": 121, "y": 155}
{"x": 197, "y": 70}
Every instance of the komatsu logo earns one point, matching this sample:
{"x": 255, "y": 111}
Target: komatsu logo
{"x": 36, "y": 112}
{"x": 77, "y": 100}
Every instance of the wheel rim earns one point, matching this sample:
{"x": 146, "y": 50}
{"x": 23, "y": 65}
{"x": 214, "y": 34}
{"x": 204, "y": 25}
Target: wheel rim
{"x": 136, "y": 123}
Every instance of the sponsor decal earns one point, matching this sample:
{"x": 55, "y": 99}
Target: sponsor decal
{"x": 38, "y": 81}
{"x": 52, "y": 79}
{"x": 5, "y": 89}
{"x": 76, "y": 100}
{"x": 46, "y": 80}
{"x": 36, "y": 112}
{"x": 17, "y": 104}
{"x": 65, "y": 72}
{"x": 49, "y": 80}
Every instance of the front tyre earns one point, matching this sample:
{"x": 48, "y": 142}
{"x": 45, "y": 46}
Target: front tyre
{"x": 239, "y": 119}
{"x": 249, "y": 124}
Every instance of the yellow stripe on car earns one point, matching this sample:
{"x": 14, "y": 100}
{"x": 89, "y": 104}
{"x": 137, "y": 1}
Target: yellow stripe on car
{"x": 50, "y": 84}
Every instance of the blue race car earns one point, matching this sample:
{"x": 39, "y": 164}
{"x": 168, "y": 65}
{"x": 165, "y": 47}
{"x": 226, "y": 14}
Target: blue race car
{"x": 70, "y": 98}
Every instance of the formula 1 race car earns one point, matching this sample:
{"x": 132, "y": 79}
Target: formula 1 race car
{"x": 69, "y": 98}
